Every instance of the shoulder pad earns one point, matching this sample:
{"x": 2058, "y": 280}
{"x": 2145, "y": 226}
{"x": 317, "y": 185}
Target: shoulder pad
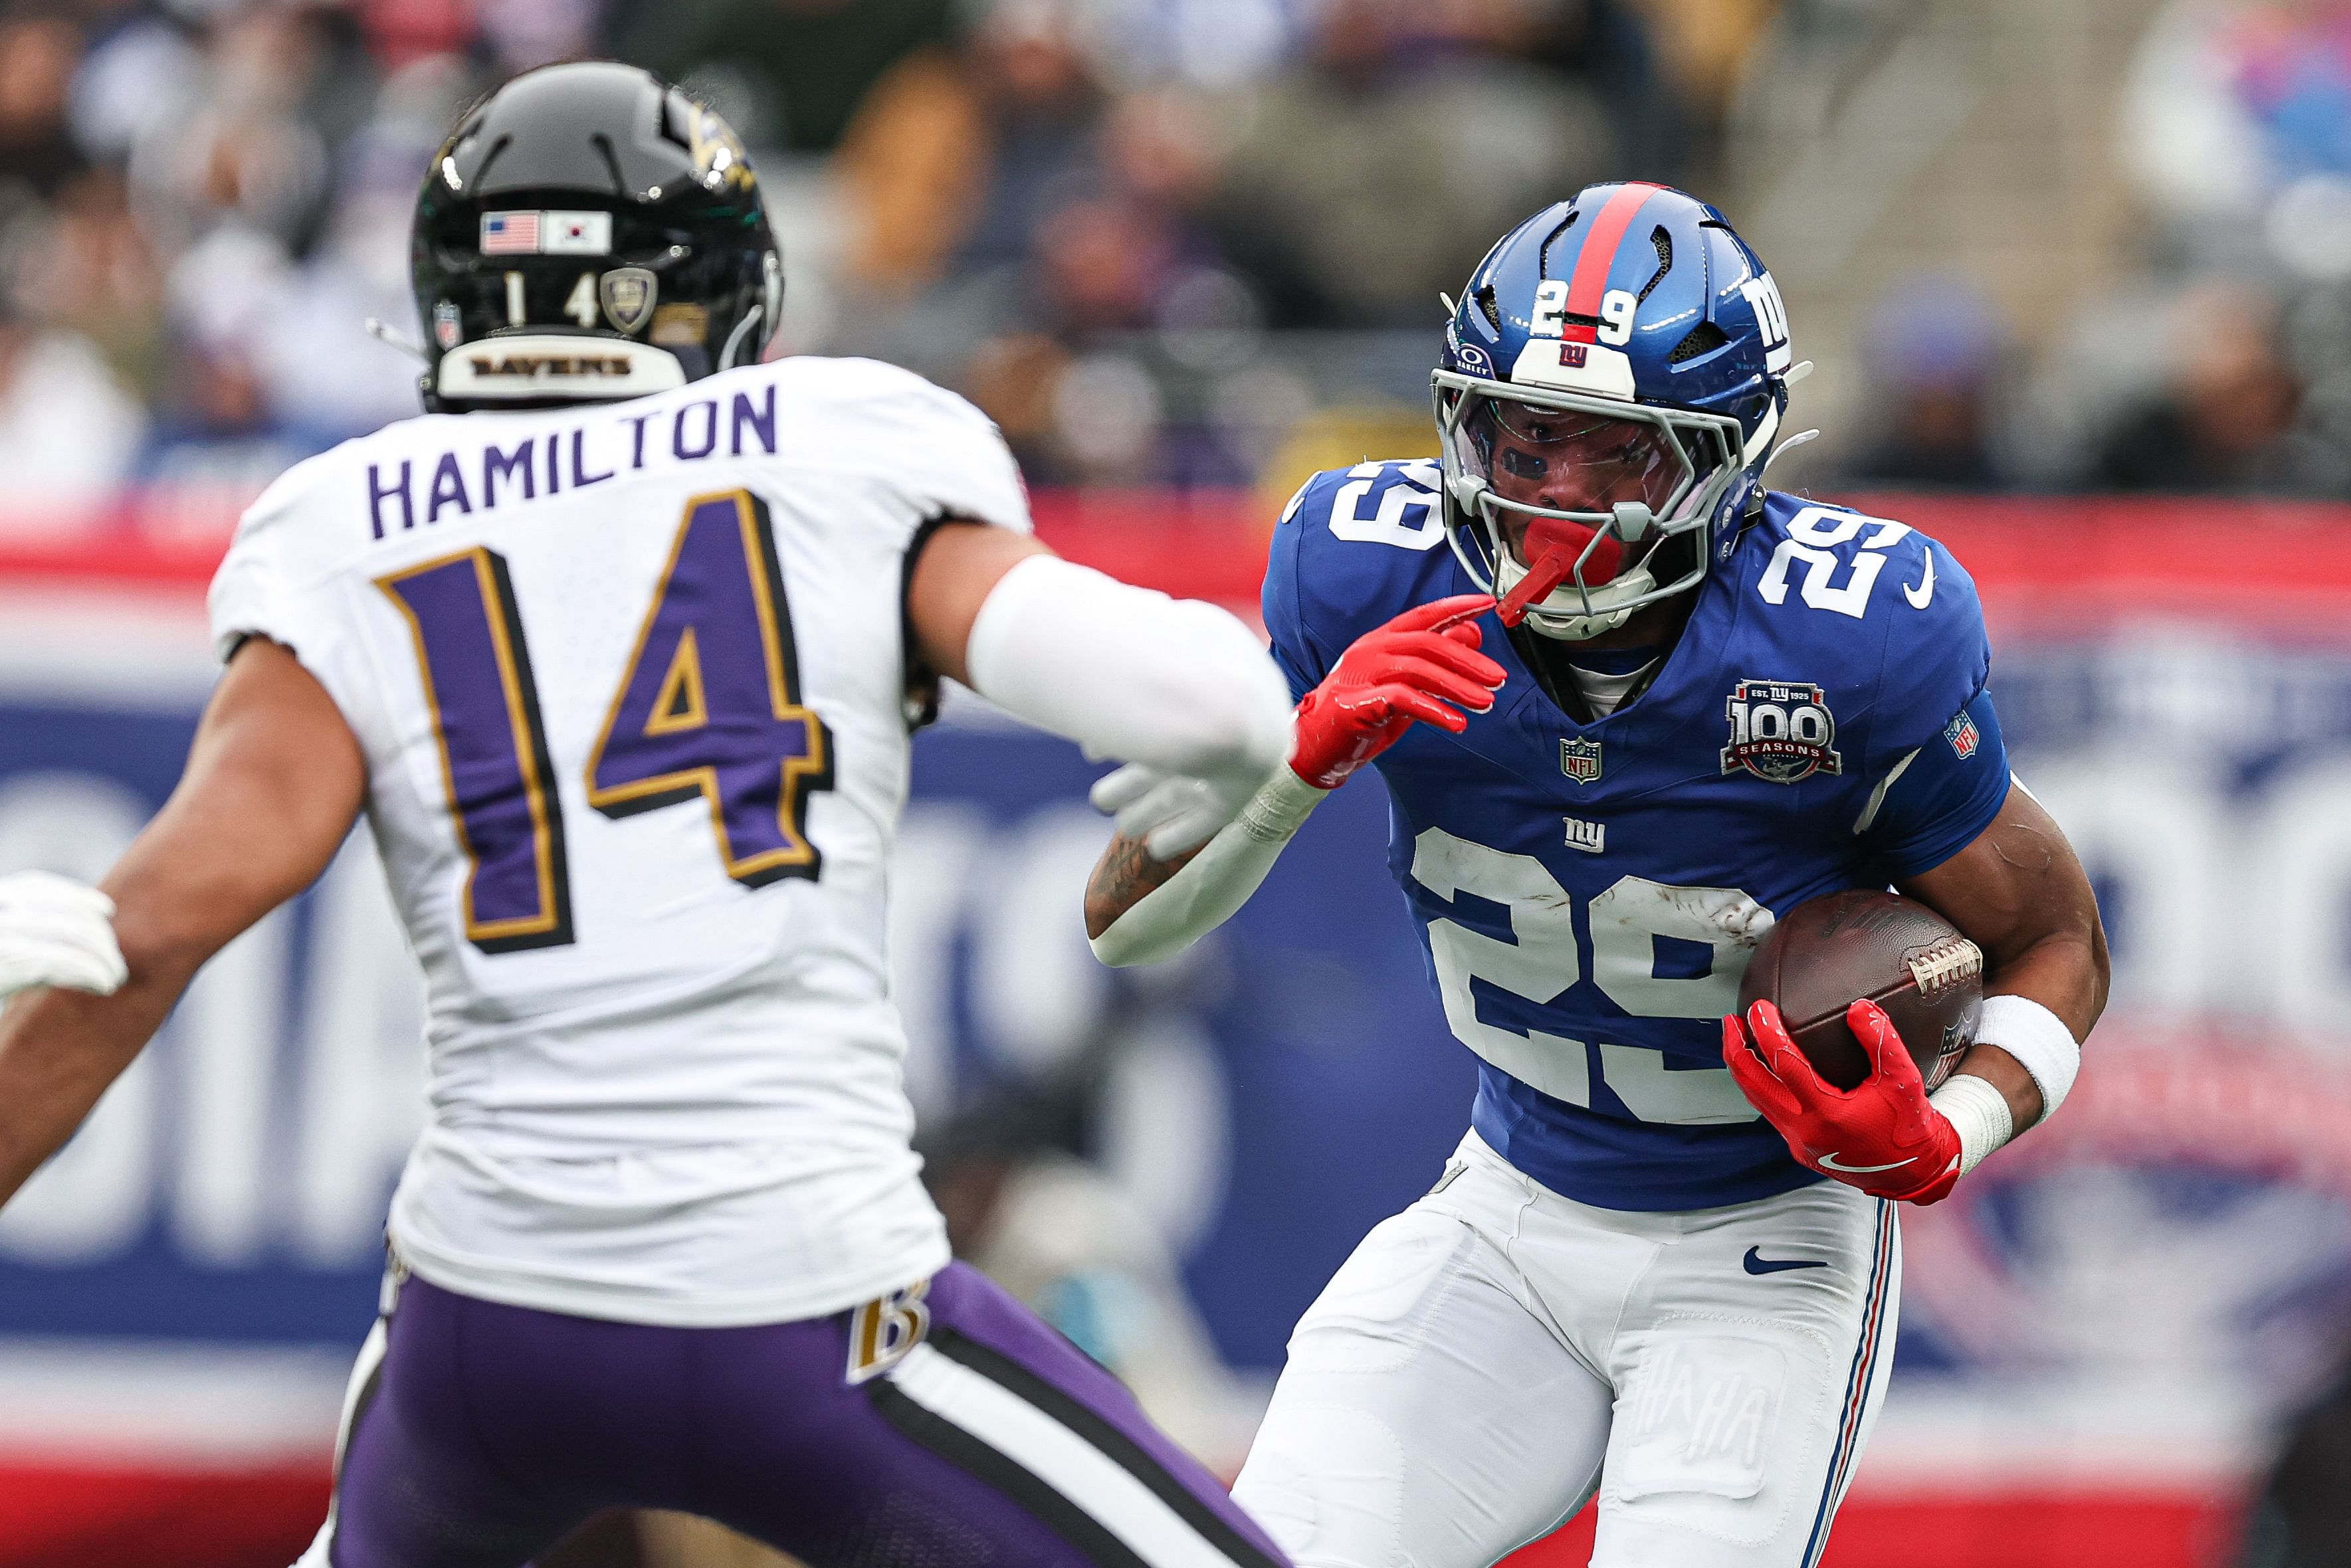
{"x": 1831, "y": 559}
{"x": 1894, "y": 605}
{"x": 852, "y": 378}
{"x": 334, "y": 487}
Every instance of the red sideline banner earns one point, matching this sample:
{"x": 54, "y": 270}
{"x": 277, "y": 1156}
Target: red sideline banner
{"x": 85, "y": 1517}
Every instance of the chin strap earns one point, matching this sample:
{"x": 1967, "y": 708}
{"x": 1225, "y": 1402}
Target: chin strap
{"x": 1567, "y": 628}
{"x": 735, "y": 340}
{"x": 385, "y": 333}
{"x": 1566, "y": 625}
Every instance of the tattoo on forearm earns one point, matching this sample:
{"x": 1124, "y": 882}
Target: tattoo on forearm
{"x": 1123, "y": 878}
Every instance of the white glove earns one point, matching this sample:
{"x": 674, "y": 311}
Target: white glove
{"x": 1211, "y": 887}
{"x": 1170, "y": 813}
{"x": 54, "y": 931}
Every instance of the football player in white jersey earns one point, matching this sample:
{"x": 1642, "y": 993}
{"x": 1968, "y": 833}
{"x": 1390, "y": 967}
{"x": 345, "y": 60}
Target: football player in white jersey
{"x": 619, "y": 651}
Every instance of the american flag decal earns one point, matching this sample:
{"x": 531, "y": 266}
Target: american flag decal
{"x": 509, "y": 234}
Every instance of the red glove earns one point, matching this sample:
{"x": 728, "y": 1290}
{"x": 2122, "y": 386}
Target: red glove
{"x": 1407, "y": 670}
{"x": 1881, "y": 1136}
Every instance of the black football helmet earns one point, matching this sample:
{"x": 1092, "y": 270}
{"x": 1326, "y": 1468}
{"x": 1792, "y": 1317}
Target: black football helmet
{"x": 588, "y": 232}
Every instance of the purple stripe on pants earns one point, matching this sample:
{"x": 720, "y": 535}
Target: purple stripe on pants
{"x": 492, "y": 1430}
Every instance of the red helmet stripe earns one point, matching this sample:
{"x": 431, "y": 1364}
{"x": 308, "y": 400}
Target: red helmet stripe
{"x": 1589, "y": 279}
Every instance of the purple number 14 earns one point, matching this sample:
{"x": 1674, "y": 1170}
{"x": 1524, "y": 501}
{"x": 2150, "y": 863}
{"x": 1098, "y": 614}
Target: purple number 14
{"x": 708, "y": 710}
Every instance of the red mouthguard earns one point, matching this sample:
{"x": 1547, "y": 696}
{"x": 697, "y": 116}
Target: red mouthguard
{"x": 1555, "y": 544}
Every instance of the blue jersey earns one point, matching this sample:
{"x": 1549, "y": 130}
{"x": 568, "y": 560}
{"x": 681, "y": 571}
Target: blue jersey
{"x": 1588, "y": 894}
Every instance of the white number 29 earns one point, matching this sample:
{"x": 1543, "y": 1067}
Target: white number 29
{"x": 1813, "y": 536}
{"x": 1540, "y": 963}
{"x": 1414, "y": 485}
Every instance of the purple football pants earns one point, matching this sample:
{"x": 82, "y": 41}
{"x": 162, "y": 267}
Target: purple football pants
{"x": 948, "y": 1428}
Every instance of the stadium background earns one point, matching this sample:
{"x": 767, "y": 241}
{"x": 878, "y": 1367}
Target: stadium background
{"x": 2077, "y": 277}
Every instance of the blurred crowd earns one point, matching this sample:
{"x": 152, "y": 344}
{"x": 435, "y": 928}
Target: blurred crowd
{"x": 1187, "y": 243}
{"x": 1090, "y": 215}
{"x": 2219, "y": 361}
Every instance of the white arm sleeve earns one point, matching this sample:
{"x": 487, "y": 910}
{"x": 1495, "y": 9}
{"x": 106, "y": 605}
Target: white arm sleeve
{"x": 1129, "y": 673}
{"x": 1211, "y": 888}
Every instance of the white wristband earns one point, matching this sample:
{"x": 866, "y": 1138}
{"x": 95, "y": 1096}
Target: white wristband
{"x": 2039, "y": 1040}
{"x": 1979, "y": 1114}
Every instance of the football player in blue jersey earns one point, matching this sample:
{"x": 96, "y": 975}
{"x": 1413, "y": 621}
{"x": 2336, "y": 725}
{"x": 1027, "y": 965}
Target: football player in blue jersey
{"x": 1639, "y": 707}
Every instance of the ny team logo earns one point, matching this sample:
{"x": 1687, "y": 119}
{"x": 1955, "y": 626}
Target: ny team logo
{"x": 1579, "y": 758}
{"x": 1780, "y": 731}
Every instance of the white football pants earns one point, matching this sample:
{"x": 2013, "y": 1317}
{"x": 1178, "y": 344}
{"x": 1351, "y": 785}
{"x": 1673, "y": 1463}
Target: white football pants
{"x": 1496, "y": 1353}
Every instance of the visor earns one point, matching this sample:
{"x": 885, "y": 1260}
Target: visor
{"x": 1572, "y": 497}
{"x": 1566, "y": 463}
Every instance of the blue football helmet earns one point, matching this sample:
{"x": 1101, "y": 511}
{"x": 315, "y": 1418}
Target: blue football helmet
{"x": 1613, "y": 382}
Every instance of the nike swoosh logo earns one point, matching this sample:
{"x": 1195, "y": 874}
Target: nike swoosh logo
{"x": 1755, "y": 1263}
{"x": 1829, "y": 1162}
{"x": 1924, "y": 594}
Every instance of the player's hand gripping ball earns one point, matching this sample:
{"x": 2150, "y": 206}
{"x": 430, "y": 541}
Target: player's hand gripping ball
{"x": 1421, "y": 668}
{"x": 1869, "y": 943}
{"x": 1881, "y": 1136}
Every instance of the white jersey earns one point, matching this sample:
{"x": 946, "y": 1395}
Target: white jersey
{"x": 630, "y": 681}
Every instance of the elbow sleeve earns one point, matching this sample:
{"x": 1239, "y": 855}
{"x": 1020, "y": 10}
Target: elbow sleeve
{"x": 1128, "y": 673}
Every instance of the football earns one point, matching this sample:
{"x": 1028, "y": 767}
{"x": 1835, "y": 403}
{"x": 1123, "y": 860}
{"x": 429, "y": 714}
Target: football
{"x": 1831, "y": 951}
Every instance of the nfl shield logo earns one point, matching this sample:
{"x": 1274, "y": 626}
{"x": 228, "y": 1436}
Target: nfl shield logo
{"x": 1963, "y": 735}
{"x": 1579, "y": 758}
{"x": 628, "y": 296}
